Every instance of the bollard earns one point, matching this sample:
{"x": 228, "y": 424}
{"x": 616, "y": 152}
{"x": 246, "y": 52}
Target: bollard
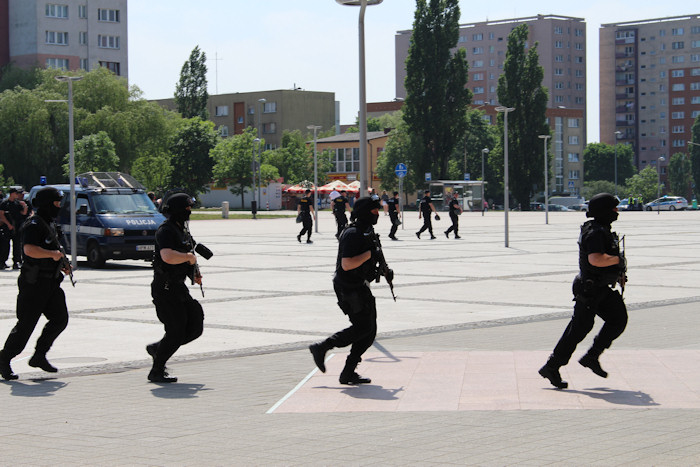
{"x": 224, "y": 209}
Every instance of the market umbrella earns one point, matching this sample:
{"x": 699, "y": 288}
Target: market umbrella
{"x": 334, "y": 185}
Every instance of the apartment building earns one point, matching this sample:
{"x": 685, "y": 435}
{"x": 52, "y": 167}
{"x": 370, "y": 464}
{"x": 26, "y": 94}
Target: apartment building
{"x": 562, "y": 53}
{"x": 271, "y": 112}
{"x": 67, "y": 34}
{"x": 650, "y": 86}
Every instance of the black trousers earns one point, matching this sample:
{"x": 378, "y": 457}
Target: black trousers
{"x": 455, "y": 224}
{"x": 342, "y": 221}
{"x": 427, "y": 224}
{"x": 394, "y": 217}
{"x": 602, "y": 301}
{"x": 183, "y": 318}
{"x": 359, "y": 305}
{"x": 33, "y": 300}
{"x": 307, "y": 223}
{"x": 5, "y": 237}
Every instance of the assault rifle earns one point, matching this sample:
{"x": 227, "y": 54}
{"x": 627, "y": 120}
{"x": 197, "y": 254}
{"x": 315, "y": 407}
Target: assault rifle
{"x": 203, "y": 251}
{"x": 383, "y": 269}
{"x": 622, "y": 280}
{"x": 64, "y": 264}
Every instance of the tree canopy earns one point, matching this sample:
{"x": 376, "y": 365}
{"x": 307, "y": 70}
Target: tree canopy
{"x": 93, "y": 153}
{"x": 191, "y": 94}
{"x": 695, "y": 155}
{"x": 192, "y": 166}
{"x": 599, "y": 162}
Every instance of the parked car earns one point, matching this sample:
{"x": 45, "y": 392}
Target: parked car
{"x": 667, "y": 203}
{"x": 579, "y": 207}
{"x": 557, "y": 207}
{"x": 624, "y": 205}
{"x": 535, "y": 206}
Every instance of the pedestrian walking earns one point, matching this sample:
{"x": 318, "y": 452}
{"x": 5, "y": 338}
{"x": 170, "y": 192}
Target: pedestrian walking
{"x": 455, "y": 211}
{"x": 339, "y": 206}
{"x": 425, "y": 210}
{"x": 602, "y": 265}
{"x": 305, "y": 210}
{"x": 394, "y": 212}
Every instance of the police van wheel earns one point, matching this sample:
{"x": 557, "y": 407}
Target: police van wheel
{"x": 94, "y": 257}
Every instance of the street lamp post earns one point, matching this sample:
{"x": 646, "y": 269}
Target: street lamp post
{"x": 617, "y": 136}
{"x": 71, "y": 164}
{"x": 363, "y": 4}
{"x": 315, "y": 128}
{"x": 658, "y": 185}
{"x": 506, "y": 194}
{"x": 262, "y": 106}
{"x": 546, "y": 179}
{"x": 483, "y": 180}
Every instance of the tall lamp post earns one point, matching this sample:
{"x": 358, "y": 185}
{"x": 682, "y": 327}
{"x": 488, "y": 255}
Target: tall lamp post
{"x": 262, "y": 107}
{"x": 315, "y": 128}
{"x": 546, "y": 179}
{"x": 658, "y": 185}
{"x": 71, "y": 164}
{"x": 617, "y": 136}
{"x": 506, "y": 193}
{"x": 363, "y": 4}
{"x": 483, "y": 180}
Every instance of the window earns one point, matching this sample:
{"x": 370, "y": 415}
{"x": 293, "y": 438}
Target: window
{"x": 678, "y": 143}
{"x": 462, "y": 39}
{"x": 677, "y": 73}
{"x": 111, "y": 16}
{"x": 478, "y": 90}
{"x": 221, "y": 110}
{"x": 579, "y": 73}
{"x": 84, "y": 64}
{"x": 347, "y": 160}
{"x": 695, "y": 57}
{"x": 574, "y": 122}
{"x": 558, "y": 99}
{"x": 578, "y": 46}
{"x": 478, "y": 50}
{"x": 558, "y": 72}
{"x": 108, "y": 42}
{"x": 695, "y": 72}
{"x": 579, "y": 100}
{"x": 558, "y": 85}
{"x": 678, "y": 129}
{"x": 578, "y": 32}
{"x": 694, "y": 44}
{"x": 558, "y": 30}
{"x": 573, "y": 174}
{"x": 59, "y": 63}
{"x": 478, "y": 76}
{"x": 478, "y": 63}
{"x": 269, "y": 128}
{"x": 578, "y": 86}
{"x": 223, "y": 131}
{"x": 477, "y": 37}
{"x": 112, "y": 66}
{"x": 695, "y": 30}
{"x": 57, "y": 38}
{"x": 678, "y": 59}
{"x": 270, "y": 107}
{"x": 573, "y": 139}
{"x": 695, "y": 100}
{"x": 678, "y": 87}
{"x": 492, "y": 35}
{"x": 82, "y": 11}
{"x": 83, "y": 38}
{"x": 677, "y": 115}
{"x": 676, "y": 31}
{"x": 558, "y": 45}
{"x": 695, "y": 86}
{"x": 678, "y": 45}
{"x": 678, "y": 101}
{"x": 578, "y": 59}
{"x": 573, "y": 157}
{"x": 56, "y": 11}
{"x": 558, "y": 58}
{"x": 696, "y": 113}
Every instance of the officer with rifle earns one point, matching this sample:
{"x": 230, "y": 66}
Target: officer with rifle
{"x": 602, "y": 265}
{"x": 40, "y": 293}
{"x": 174, "y": 260}
{"x": 360, "y": 261}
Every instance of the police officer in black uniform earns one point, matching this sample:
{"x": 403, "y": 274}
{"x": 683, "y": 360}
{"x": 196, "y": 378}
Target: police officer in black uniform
{"x": 394, "y": 211}
{"x": 425, "y": 211}
{"x": 355, "y": 269}
{"x": 39, "y": 286}
{"x": 340, "y": 205}
{"x": 455, "y": 210}
{"x": 173, "y": 262}
{"x": 601, "y": 267}
{"x": 305, "y": 209}
{"x": 15, "y": 212}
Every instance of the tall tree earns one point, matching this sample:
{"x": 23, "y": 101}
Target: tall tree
{"x": 191, "y": 91}
{"x": 679, "y": 175}
{"x": 436, "y": 94}
{"x": 93, "y": 153}
{"x": 599, "y": 162}
{"x": 153, "y": 170}
{"x": 695, "y": 155}
{"x": 520, "y": 87}
{"x": 645, "y": 183}
{"x": 479, "y": 135}
{"x": 399, "y": 149}
{"x": 233, "y": 162}
{"x": 192, "y": 166}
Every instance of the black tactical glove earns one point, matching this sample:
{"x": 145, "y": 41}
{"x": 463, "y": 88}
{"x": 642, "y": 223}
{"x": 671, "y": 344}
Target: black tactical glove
{"x": 437, "y": 216}
{"x": 622, "y": 264}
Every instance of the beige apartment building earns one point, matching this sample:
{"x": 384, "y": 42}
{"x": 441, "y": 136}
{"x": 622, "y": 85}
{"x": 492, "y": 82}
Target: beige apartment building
{"x": 650, "y": 86}
{"x": 67, "y": 34}
{"x": 271, "y": 112}
{"x": 562, "y": 53}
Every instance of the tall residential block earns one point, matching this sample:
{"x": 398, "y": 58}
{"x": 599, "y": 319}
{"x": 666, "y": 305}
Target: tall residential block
{"x": 562, "y": 53}
{"x": 67, "y": 34}
{"x": 650, "y": 86}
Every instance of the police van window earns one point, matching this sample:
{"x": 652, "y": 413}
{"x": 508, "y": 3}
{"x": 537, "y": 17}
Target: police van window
{"x": 135, "y": 203}
{"x": 82, "y": 201}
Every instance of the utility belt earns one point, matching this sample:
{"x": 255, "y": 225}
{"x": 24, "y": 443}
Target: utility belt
{"x": 33, "y": 273}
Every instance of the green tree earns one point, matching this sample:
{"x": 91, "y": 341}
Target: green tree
{"x": 12, "y": 76}
{"x": 153, "y": 170}
{"x": 520, "y": 87}
{"x": 295, "y": 158}
{"x": 436, "y": 94}
{"x": 399, "y": 149}
{"x": 593, "y": 187}
{"x": 192, "y": 166}
{"x": 599, "y": 162}
{"x": 679, "y": 175}
{"x": 5, "y": 181}
{"x": 695, "y": 155}
{"x": 191, "y": 94}
{"x": 93, "y": 153}
{"x": 479, "y": 135}
{"x": 233, "y": 162}
{"x": 644, "y": 183}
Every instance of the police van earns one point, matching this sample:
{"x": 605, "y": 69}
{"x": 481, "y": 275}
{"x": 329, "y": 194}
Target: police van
{"x": 115, "y": 218}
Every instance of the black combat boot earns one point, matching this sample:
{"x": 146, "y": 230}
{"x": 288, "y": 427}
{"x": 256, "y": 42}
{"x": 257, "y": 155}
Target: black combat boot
{"x": 318, "y": 350}
{"x": 159, "y": 375}
{"x": 39, "y": 361}
{"x": 5, "y": 368}
{"x": 349, "y": 376}
{"x": 590, "y": 360}
{"x": 551, "y": 372}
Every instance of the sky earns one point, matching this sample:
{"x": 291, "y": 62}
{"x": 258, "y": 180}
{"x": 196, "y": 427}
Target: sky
{"x": 313, "y": 44}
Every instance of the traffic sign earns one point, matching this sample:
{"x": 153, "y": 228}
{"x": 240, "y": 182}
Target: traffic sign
{"x": 428, "y": 176}
{"x": 571, "y": 184}
{"x": 401, "y": 170}
{"x": 467, "y": 176}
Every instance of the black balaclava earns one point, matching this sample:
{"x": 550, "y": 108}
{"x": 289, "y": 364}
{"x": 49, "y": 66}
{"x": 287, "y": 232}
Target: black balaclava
{"x": 44, "y": 200}
{"x": 362, "y": 211}
{"x": 601, "y": 208}
{"x": 176, "y": 207}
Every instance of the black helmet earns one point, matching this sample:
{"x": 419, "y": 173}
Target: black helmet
{"x": 175, "y": 206}
{"x": 602, "y": 208}
{"x": 46, "y": 196}
{"x": 362, "y": 210}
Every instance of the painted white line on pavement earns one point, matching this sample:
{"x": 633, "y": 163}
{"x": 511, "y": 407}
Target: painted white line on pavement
{"x": 296, "y": 388}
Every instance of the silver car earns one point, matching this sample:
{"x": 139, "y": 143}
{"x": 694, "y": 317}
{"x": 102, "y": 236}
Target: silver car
{"x": 667, "y": 203}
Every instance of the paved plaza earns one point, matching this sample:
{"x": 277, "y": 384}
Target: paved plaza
{"x": 454, "y": 368}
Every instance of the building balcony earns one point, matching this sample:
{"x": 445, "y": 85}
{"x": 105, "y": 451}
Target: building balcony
{"x": 624, "y": 122}
{"x": 624, "y": 55}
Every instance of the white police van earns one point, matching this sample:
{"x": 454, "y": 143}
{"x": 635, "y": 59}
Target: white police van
{"x": 115, "y": 218}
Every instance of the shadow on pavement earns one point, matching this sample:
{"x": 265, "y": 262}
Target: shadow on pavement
{"x": 372, "y": 391}
{"x": 38, "y": 388}
{"x": 616, "y": 396}
{"x": 178, "y": 390}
